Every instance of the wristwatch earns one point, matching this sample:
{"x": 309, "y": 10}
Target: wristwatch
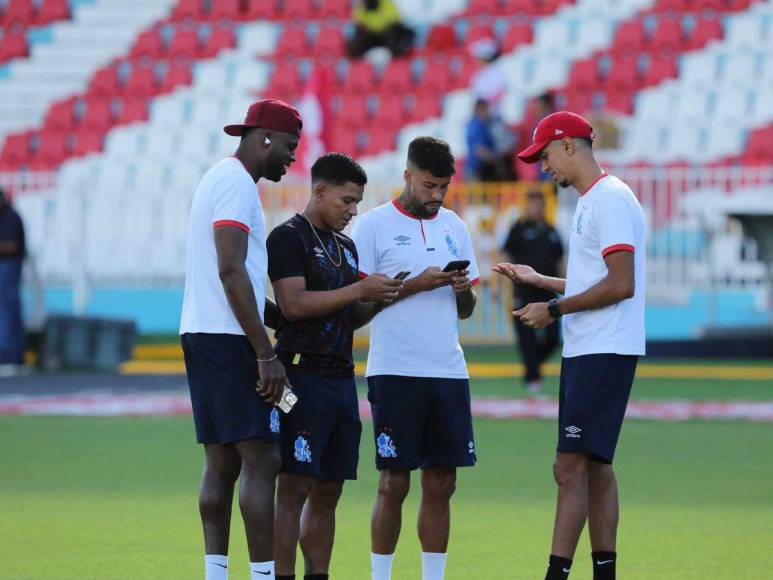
{"x": 554, "y": 308}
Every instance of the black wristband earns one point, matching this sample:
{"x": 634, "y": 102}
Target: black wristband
{"x": 554, "y": 308}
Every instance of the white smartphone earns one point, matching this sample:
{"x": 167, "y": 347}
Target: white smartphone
{"x": 288, "y": 400}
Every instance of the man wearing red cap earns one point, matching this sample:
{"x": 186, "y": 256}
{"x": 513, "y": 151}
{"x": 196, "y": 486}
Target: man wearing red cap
{"x": 226, "y": 347}
{"x": 603, "y": 324}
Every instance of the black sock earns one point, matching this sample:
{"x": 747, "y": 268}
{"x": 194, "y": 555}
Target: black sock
{"x": 285, "y": 577}
{"x": 315, "y": 577}
{"x": 604, "y": 565}
{"x": 558, "y": 568}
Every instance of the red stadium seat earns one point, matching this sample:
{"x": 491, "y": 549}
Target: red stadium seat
{"x": 361, "y": 78}
{"x": 619, "y": 101}
{"x": 462, "y": 70}
{"x": 441, "y": 37}
{"x": 437, "y": 76}
{"x": 630, "y": 36}
{"x": 390, "y": 111}
{"x": 293, "y": 42}
{"x": 99, "y": 115}
{"x": 577, "y": 101}
{"x": 61, "y": 116}
{"x": 330, "y": 42}
{"x": 398, "y": 76}
{"x": 51, "y": 10}
{"x": 427, "y": 106}
{"x": 52, "y": 148}
{"x": 335, "y": 8}
{"x": 188, "y": 9}
{"x": 220, "y": 37}
{"x": 668, "y": 34}
{"x": 18, "y": 12}
{"x": 301, "y": 10}
{"x": 285, "y": 80}
{"x": 185, "y": 43}
{"x": 262, "y": 9}
{"x": 545, "y": 7}
{"x": 104, "y": 82}
{"x": 352, "y": 111}
{"x": 142, "y": 81}
{"x": 225, "y": 10}
{"x": 14, "y": 45}
{"x": 624, "y": 74}
{"x": 179, "y": 74}
{"x": 148, "y": 44}
{"x": 16, "y": 149}
{"x": 705, "y": 29}
{"x": 479, "y": 32}
{"x": 344, "y": 140}
{"x": 87, "y": 142}
{"x": 584, "y": 74}
{"x": 132, "y": 110}
{"x": 760, "y": 143}
{"x": 661, "y": 68}
{"x": 380, "y": 139}
{"x": 516, "y": 35}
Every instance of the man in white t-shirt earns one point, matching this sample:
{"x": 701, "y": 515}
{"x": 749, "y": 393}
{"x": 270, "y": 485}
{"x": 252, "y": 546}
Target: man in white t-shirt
{"x": 228, "y": 355}
{"x": 418, "y": 384}
{"x": 603, "y": 323}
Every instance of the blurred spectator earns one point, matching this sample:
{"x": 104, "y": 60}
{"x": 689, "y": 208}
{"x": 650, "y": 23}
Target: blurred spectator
{"x": 488, "y": 82}
{"x": 481, "y": 156}
{"x": 607, "y": 132}
{"x": 12, "y": 251}
{"x": 377, "y": 23}
{"x": 540, "y": 108}
{"x": 534, "y": 242}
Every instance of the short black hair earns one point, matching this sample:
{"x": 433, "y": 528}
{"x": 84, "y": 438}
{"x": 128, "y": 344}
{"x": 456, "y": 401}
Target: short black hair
{"x": 338, "y": 169}
{"x": 433, "y": 155}
{"x": 586, "y": 141}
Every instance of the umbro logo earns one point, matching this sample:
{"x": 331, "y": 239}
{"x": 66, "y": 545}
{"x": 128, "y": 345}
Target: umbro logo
{"x": 318, "y": 250}
{"x": 573, "y": 432}
{"x": 403, "y": 240}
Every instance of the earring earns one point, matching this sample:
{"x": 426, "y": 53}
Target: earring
{"x": 267, "y": 141}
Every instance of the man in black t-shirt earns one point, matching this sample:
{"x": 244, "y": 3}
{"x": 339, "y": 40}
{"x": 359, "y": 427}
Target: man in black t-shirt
{"x": 322, "y": 300}
{"x": 534, "y": 242}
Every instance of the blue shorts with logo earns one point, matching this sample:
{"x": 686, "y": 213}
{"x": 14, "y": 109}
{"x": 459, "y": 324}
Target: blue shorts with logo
{"x": 592, "y": 400}
{"x": 421, "y": 422}
{"x": 222, "y": 375}
{"x": 321, "y": 435}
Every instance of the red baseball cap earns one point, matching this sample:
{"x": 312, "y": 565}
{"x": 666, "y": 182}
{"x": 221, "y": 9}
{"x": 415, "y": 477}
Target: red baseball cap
{"x": 553, "y": 127}
{"x": 270, "y": 114}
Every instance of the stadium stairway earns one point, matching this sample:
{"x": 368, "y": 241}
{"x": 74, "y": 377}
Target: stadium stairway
{"x": 64, "y": 55}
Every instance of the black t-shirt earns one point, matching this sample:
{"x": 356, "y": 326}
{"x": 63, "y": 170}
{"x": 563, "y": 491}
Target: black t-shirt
{"x": 325, "y": 344}
{"x": 536, "y": 244}
{"x": 12, "y": 230}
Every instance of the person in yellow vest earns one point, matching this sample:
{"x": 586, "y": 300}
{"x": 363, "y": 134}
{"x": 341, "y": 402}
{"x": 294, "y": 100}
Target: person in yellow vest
{"x": 377, "y": 23}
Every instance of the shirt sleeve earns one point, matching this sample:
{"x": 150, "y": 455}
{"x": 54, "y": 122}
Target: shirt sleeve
{"x": 233, "y": 203}
{"x": 468, "y": 253}
{"x": 614, "y": 224}
{"x": 364, "y": 236}
{"x": 285, "y": 253}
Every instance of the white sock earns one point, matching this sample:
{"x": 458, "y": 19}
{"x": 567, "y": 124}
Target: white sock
{"x": 262, "y": 570}
{"x": 215, "y": 567}
{"x": 381, "y": 566}
{"x": 433, "y": 565}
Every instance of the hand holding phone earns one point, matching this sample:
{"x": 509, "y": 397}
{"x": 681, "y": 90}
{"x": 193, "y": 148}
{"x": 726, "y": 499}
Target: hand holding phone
{"x": 402, "y": 275}
{"x": 456, "y": 266}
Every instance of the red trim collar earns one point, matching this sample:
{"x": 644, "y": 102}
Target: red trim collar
{"x": 595, "y": 181}
{"x": 405, "y": 212}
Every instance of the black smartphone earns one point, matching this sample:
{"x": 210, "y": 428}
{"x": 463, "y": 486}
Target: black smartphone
{"x": 456, "y": 266}
{"x": 402, "y": 275}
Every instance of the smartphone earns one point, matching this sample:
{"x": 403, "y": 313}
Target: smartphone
{"x": 288, "y": 400}
{"x": 402, "y": 275}
{"x": 456, "y": 266}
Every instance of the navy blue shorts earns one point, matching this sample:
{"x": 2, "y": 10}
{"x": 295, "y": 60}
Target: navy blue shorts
{"x": 222, "y": 375}
{"x": 421, "y": 422}
{"x": 592, "y": 400}
{"x": 321, "y": 435}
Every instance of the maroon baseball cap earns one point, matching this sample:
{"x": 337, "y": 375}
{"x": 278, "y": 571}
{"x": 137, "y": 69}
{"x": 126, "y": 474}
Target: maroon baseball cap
{"x": 270, "y": 114}
{"x": 553, "y": 127}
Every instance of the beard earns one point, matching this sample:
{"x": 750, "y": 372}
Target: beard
{"x": 274, "y": 167}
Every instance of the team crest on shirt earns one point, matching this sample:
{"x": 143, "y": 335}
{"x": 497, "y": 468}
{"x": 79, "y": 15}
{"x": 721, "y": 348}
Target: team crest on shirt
{"x": 578, "y": 224}
{"x": 302, "y": 450}
{"x": 453, "y": 247}
{"x": 386, "y": 447}
{"x": 274, "y": 421}
{"x": 350, "y": 259}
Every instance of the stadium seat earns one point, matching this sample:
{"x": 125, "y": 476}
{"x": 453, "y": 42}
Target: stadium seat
{"x": 478, "y": 32}
{"x": 149, "y": 44}
{"x": 380, "y": 139}
{"x": 441, "y": 37}
{"x": 16, "y": 150}
{"x": 99, "y": 115}
{"x": 87, "y": 142}
{"x": 52, "y": 10}
{"x": 584, "y": 74}
{"x": 219, "y": 38}
{"x": 397, "y": 77}
{"x": 132, "y": 110}
{"x": 668, "y": 34}
{"x": 619, "y": 101}
{"x": 18, "y": 12}
{"x": 477, "y": 7}
{"x": 344, "y": 141}
{"x": 360, "y": 78}
{"x": 52, "y": 148}
{"x": 262, "y": 9}
{"x": 188, "y": 10}
{"x": 705, "y": 30}
{"x": 141, "y": 82}
{"x": 185, "y": 43}
{"x": 225, "y": 10}
{"x": 516, "y": 35}
{"x": 335, "y": 9}
{"x": 330, "y": 42}
{"x": 661, "y": 67}
{"x": 104, "y": 82}
{"x": 13, "y": 44}
{"x": 391, "y": 110}
{"x": 179, "y": 74}
{"x": 630, "y": 36}
{"x": 285, "y": 79}
{"x": 760, "y": 143}
{"x": 352, "y": 111}
{"x": 624, "y": 74}
{"x": 300, "y": 10}
{"x": 60, "y": 116}
{"x": 427, "y": 106}
{"x": 292, "y": 42}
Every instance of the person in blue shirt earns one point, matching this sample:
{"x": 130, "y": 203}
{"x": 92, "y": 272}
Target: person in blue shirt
{"x": 481, "y": 147}
{"x": 12, "y": 252}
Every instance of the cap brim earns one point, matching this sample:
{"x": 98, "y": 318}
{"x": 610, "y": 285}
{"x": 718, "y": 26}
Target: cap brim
{"x": 531, "y": 153}
{"x": 234, "y": 130}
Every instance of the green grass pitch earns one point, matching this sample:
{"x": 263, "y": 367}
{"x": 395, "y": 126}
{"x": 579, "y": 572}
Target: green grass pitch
{"x": 116, "y": 498}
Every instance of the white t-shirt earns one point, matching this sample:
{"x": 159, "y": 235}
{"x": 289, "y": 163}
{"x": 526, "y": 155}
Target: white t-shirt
{"x": 417, "y": 336}
{"x": 608, "y": 218}
{"x": 226, "y": 196}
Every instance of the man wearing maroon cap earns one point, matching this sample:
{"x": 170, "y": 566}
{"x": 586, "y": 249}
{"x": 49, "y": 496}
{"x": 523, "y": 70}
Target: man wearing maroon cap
{"x": 227, "y": 350}
{"x": 602, "y": 314}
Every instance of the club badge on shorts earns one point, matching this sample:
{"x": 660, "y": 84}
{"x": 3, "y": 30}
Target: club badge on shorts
{"x": 302, "y": 450}
{"x": 386, "y": 447}
{"x": 274, "y": 421}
